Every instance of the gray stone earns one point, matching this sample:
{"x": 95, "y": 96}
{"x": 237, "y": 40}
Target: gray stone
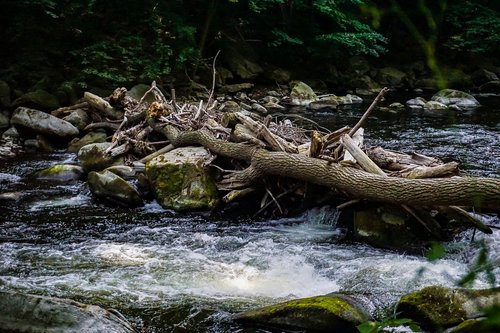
{"x": 138, "y": 91}
{"x": 4, "y": 94}
{"x": 232, "y": 88}
{"x": 61, "y": 173}
{"x": 348, "y": 99}
{"x": 390, "y": 76}
{"x": 490, "y": 87}
{"x": 230, "y": 106}
{"x": 259, "y": 108}
{"x": 11, "y": 133}
{"x": 111, "y": 187}
{"x": 40, "y": 314}
{"x": 324, "y": 104}
{"x": 35, "y": 121}
{"x": 4, "y": 121}
{"x": 418, "y": 102}
{"x": 93, "y": 157}
{"x": 434, "y": 105}
{"x": 455, "y": 97}
{"x": 271, "y": 99}
{"x": 301, "y": 94}
{"x": 180, "y": 180}
{"x": 78, "y": 118}
{"x": 274, "y": 107}
{"x": 396, "y": 106}
{"x": 482, "y": 76}
{"x": 92, "y": 137}
{"x": 39, "y": 99}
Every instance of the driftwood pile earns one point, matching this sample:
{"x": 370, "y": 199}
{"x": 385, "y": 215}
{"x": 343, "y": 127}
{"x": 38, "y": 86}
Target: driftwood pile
{"x": 253, "y": 150}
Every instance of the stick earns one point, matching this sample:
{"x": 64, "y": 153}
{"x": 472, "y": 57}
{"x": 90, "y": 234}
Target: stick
{"x": 368, "y": 111}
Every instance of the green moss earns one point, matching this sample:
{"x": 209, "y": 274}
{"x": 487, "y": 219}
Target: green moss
{"x": 433, "y": 307}
{"x": 319, "y": 314}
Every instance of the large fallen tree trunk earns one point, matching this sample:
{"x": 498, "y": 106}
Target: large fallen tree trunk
{"x": 479, "y": 192}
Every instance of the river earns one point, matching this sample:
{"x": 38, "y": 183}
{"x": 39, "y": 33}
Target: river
{"x": 170, "y": 272}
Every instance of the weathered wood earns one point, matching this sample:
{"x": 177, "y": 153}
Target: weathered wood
{"x": 443, "y": 170}
{"x": 396, "y": 161}
{"x": 354, "y": 153}
{"x": 68, "y": 109}
{"x": 370, "y": 109}
{"x": 102, "y": 105}
{"x": 316, "y": 145}
{"x": 104, "y": 124}
{"x": 480, "y": 192}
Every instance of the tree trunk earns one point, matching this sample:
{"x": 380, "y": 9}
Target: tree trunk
{"x": 482, "y": 193}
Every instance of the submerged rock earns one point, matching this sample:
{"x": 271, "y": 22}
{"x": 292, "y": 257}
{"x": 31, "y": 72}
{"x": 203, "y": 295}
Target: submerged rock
{"x": 436, "y": 308}
{"x": 40, "y": 314}
{"x": 315, "y": 314}
{"x": 38, "y": 122}
{"x": 60, "y": 172}
{"x": 180, "y": 180}
{"x": 459, "y": 98}
{"x": 109, "y": 186}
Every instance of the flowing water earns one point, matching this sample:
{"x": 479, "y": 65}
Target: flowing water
{"x": 170, "y": 272}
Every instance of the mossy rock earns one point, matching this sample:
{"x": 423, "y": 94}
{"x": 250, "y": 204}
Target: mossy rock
{"x": 60, "y": 172}
{"x": 455, "y": 97}
{"x": 474, "y": 326}
{"x": 301, "y": 93}
{"x": 38, "y": 99}
{"x": 180, "y": 180}
{"x": 109, "y": 186}
{"x": 92, "y": 137}
{"x": 316, "y": 314}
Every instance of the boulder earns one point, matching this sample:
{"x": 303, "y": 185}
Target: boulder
{"x": 328, "y": 103}
{"x": 415, "y": 103}
{"x": 93, "y": 157}
{"x": 4, "y": 121}
{"x": 111, "y": 187}
{"x": 230, "y": 106}
{"x": 459, "y": 98}
{"x": 40, "y": 314}
{"x": 386, "y": 226}
{"x": 60, "y": 173}
{"x": 278, "y": 75}
{"x": 314, "y": 314}
{"x": 490, "y": 87}
{"x": 482, "y": 325}
{"x": 4, "y": 94}
{"x": 434, "y": 105}
{"x": 242, "y": 66}
{"x": 364, "y": 85}
{"x": 482, "y": 76}
{"x": 223, "y": 75}
{"x": 39, "y": 99}
{"x": 138, "y": 91}
{"x": 92, "y": 137}
{"x": 301, "y": 94}
{"x": 38, "y": 122}
{"x": 180, "y": 180}
{"x": 232, "y": 88}
{"x": 11, "y": 133}
{"x": 347, "y": 99}
{"x": 436, "y": 308}
{"x": 390, "y": 76}
{"x": 259, "y": 108}
{"x": 78, "y": 118}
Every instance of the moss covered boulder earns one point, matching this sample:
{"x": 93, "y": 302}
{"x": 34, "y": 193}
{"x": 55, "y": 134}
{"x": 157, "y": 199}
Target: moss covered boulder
{"x": 316, "y": 314}
{"x": 301, "y": 94}
{"x": 61, "y": 173}
{"x": 451, "y": 97}
{"x": 436, "y": 308}
{"x": 111, "y": 187}
{"x": 180, "y": 179}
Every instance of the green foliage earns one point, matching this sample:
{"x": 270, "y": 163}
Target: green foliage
{"x": 482, "y": 264}
{"x": 476, "y": 28}
{"x": 388, "y": 325}
{"x": 436, "y": 252}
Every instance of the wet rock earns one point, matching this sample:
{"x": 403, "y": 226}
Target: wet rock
{"x": 40, "y": 143}
{"x": 10, "y": 196}
{"x": 415, "y": 103}
{"x": 274, "y": 107}
{"x": 315, "y": 314}
{"x": 347, "y": 99}
{"x": 246, "y": 106}
{"x": 4, "y": 94}
{"x": 11, "y": 133}
{"x": 436, "y": 308}
{"x": 78, "y": 118}
{"x": 434, "y": 105}
{"x": 92, "y": 137}
{"x": 385, "y": 226}
{"x": 271, "y": 99}
{"x": 60, "y": 173}
{"x": 301, "y": 94}
{"x": 93, "y": 157}
{"x": 38, "y": 122}
{"x": 455, "y": 97}
{"x": 40, "y": 314}
{"x": 4, "y": 121}
{"x": 474, "y": 326}
{"x": 396, "y": 106}
{"x": 232, "y": 88}
{"x": 181, "y": 181}
{"x": 109, "y": 186}
{"x": 490, "y": 87}
{"x": 39, "y": 99}
{"x": 328, "y": 103}
{"x": 482, "y": 76}
{"x": 390, "y": 76}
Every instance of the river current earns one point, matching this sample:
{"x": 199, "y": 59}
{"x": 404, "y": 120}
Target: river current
{"x": 170, "y": 272}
